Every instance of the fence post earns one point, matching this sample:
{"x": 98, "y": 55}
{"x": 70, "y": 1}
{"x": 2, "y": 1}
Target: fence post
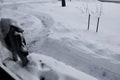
{"x": 98, "y": 24}
{"x": 88, "y": 21}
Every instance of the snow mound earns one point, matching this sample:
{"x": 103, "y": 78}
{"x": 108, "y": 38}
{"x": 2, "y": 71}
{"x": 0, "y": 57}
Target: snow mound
{"x": 56, "y": 69}
{"x": 42, "y": 67}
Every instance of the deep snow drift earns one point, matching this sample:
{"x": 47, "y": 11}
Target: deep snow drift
{"x": 61, "y": 33}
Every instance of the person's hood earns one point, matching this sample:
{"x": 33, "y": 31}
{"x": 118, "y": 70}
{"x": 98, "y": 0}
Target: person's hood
{"x": 5, "y": 25}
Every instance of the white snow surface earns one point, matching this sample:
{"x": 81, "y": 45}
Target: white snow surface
{"x": 61, "y": 33}
{"x": 51, "y": 70}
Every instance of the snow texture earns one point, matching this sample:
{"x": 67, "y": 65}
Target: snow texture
{"x": 62, "y": 34}
{"x": 42, "y": 67}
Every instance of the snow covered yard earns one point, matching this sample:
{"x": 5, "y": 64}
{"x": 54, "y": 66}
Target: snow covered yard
{"x": 62, "y": 34}
{"x": 42, "y": 67}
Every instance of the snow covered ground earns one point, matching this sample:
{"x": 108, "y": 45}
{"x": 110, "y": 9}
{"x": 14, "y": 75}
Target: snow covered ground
{"x": 41, "y": 66}
{"x": 61, "y": 32}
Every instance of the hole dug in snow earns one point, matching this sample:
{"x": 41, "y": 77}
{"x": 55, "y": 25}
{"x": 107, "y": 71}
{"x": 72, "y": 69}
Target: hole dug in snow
{"x": 43, "y": 71}
{"x": 48, "y": 75}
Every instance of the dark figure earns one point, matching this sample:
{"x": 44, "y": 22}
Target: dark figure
{"x": 13, "y": 39}
{"x": 63, "y": 3}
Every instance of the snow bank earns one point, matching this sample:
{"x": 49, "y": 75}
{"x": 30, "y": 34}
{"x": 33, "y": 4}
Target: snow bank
{"x": 41, "y": 66}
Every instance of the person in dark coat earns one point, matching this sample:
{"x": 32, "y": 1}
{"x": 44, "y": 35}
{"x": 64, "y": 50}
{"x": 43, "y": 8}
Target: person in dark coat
{"x": 11, "y": 36}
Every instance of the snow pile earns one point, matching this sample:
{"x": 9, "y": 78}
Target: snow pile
{"x": 43, "y": 67}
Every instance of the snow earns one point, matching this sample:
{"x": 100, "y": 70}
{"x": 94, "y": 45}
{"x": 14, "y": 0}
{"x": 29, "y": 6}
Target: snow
{"x": 61, "y": 33}
{"x": 51, "y": 70}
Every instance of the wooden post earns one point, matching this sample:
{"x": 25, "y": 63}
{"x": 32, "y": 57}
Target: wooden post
{"x": 88, "y": 21}
{"x": 98, "y": 24}
{"x": 63, "y": 3}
